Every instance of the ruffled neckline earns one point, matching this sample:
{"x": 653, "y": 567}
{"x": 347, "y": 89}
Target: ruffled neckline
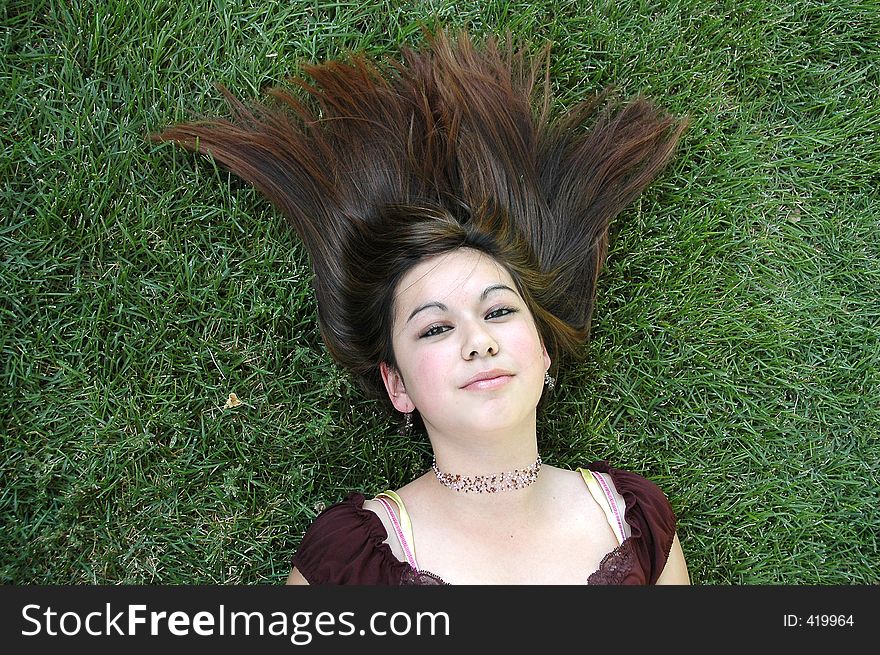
{"x": 612, "y": 570}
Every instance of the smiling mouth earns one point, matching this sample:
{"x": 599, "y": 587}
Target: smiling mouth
{"x": 488, "y": 383}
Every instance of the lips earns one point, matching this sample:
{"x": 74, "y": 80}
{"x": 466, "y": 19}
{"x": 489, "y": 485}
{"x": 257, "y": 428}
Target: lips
{"x": 488, "y": 380}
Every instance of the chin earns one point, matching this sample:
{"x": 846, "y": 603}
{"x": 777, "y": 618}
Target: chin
{"x": 495, "y": 419}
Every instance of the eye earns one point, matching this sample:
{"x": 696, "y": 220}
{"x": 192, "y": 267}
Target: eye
{"x": 434, "y": 330}
{"x": 501, "y": 312}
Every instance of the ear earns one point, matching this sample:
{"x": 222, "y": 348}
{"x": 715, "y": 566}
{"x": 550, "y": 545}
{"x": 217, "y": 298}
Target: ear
{"x": 396, "y": 389}
{"x": 547, "y": 360}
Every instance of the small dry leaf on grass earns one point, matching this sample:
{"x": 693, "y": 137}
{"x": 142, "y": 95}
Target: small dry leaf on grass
{"x": 232, "y": 401}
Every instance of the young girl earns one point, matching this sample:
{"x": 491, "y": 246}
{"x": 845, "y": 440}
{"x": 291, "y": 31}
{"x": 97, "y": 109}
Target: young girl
{"x": 456, "y": 233}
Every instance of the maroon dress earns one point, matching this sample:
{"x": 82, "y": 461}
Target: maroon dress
{"x": 345, "y": 543}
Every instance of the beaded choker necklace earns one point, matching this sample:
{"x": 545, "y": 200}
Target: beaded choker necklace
{"x": 489, "y": 484}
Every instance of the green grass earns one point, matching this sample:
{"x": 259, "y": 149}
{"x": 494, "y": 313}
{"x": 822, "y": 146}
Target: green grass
{"x": 735, "y": 357}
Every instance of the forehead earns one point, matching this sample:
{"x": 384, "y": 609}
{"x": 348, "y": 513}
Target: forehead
{"x": 459, "y": 271}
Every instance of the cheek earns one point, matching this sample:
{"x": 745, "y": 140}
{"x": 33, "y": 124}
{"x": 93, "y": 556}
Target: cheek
{"x": 430, "y": 367}
{"x": 528, "y": 342}
{"x": 423, "y": 371}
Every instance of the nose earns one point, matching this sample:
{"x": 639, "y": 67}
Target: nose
{"x": 479, "y": 343}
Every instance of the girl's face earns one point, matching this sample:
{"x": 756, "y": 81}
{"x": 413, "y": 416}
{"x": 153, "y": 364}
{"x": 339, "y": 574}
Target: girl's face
{"x": 468, "y": 352}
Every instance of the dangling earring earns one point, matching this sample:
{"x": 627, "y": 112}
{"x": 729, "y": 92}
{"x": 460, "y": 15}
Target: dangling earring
{"x": 550, "y": 381}
{"x": 408, "y": 424}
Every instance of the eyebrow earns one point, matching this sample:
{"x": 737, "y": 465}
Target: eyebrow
{"x": 439, "y": 305}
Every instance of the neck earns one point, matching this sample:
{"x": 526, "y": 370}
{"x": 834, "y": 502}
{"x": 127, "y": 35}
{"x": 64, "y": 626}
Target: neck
{"x": 500, "y": 482}
{"x": 481, "y": 455}
{"x": 484, "y": 453}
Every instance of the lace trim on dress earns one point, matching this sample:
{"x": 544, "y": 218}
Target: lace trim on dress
{"x": 615, "y": 566}
{"x": 613, "y": 570}
{"x": 421, "y": 578}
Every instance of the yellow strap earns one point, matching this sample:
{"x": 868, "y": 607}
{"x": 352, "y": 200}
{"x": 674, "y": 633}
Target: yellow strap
{"x": 600, "y": 497}
{"x": 405, "y": 523}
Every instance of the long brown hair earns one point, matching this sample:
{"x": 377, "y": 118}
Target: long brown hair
{"x": 377, "y": 165}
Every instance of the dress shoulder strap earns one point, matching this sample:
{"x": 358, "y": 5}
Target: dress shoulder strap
{"x": 609, "y": 500}
{"x": 402, "y": 527}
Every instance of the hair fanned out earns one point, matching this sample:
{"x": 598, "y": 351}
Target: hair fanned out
{"x": 374, "y": 164}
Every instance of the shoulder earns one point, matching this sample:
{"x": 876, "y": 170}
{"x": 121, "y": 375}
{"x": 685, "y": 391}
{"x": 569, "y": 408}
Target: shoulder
{"x": 648, "y": 513}
{"x": 640, "y": 493}
{"x": 345, "y": 545}
{"x": 382, "y": 514}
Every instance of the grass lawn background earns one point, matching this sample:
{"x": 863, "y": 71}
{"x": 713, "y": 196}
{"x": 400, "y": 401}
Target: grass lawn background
{"x": 735, "y": 357}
